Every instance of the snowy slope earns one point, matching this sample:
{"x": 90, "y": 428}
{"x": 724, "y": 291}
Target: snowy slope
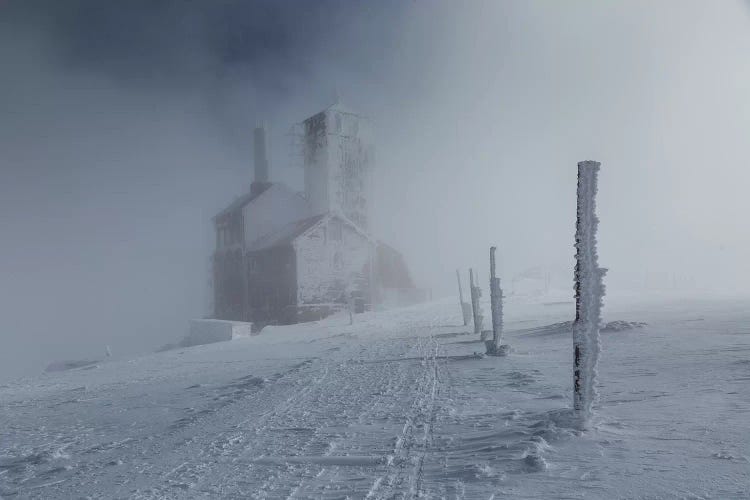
{"x": 397, "y": 406}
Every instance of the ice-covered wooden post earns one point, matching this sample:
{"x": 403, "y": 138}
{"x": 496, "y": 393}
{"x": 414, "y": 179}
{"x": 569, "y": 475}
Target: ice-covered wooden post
{"x": 589, "y": 293}
{"x": 350, "y": 304}
{"x": 495, "y": 346}
{"x": 476, "y": 292}
{"x": 496, "y": 305}
{"x": 461, "y": 297}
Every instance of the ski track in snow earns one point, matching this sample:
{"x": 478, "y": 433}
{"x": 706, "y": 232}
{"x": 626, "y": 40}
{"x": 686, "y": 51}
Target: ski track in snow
{"x": 397, "y": 406}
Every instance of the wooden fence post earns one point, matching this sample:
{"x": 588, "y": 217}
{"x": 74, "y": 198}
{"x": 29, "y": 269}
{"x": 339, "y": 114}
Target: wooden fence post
{"x": 461, "y": 298}
{"x": 495, "y": 346}
{"x": 476, "y": 292}
{"x": 589, "y": 292}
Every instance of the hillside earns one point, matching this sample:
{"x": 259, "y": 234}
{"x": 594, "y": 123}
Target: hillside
{"x": 398, "y": 406}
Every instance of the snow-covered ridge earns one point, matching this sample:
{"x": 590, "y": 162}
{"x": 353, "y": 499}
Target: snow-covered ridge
{"x": 398, "y": 405}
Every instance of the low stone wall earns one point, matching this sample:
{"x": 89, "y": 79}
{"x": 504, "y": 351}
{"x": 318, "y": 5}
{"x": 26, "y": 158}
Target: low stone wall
{"x": 208, "y": 331}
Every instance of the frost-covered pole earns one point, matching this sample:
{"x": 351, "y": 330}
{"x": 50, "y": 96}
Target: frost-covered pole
{"x": 476, "y": 292}
{"x": 350, "y": 304}
{"x": 372, "y": 276}
{"x": 495, "y": 346}
{"x": 496, "y": 303}
{"x": 589, "y": 293}
{"x": 473, "y": 299}
{"x": 461, "y": 296}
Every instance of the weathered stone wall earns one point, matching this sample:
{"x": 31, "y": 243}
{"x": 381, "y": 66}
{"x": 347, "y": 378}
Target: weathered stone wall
{"x": 332, "y": 261}
{"x": 229, "y": 285}
{"x": 349, "y": 166}
{"x": 316, "y": 163}
{"x": 338, "y": 157}
{"x": 271, "y": 284}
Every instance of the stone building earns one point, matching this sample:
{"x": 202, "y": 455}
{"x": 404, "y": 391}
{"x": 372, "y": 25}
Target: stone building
{"x": 284, "y": 257}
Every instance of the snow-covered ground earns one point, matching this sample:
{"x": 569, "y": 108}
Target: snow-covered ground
{"x": 398, "y": 406}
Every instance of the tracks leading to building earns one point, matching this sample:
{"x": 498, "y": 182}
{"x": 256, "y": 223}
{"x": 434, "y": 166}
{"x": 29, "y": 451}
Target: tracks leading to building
{"x": 366, "y": 412}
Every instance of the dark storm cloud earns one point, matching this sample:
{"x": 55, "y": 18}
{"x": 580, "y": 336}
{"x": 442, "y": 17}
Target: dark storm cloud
{"x": 185, "y": 43}
{"x": 242, "y": 61}
{"x": 124, "y": 126}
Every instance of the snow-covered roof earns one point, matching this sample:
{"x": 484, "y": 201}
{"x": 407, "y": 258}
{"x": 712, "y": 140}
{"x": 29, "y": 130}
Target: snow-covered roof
{"x": 275, "y": 189}
{"x": 238, "y": 203}
{"x": 285, "y": 234}
{"x": 337, "y": 107}
{"x": 290, "y": 232}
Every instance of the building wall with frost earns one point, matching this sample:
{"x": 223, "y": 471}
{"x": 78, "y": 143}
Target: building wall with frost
{"x": 337, "y": 158}
{"x": 284, "y": 257}
{"x": 333, "y": 261}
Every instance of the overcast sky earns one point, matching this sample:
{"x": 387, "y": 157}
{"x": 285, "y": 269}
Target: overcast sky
{"x": 124, "y": 126}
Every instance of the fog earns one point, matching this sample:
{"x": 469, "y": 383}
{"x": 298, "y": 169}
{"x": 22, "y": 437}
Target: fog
{"x": 125, "y": 127}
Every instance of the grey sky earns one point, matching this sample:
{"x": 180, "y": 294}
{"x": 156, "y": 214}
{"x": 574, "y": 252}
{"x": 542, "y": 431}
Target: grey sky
{"x": 124, "y": 126}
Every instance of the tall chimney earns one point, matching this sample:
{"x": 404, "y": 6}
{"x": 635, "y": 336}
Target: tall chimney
{"x": 261, "y": 162}
{"x": 260, "y": 180}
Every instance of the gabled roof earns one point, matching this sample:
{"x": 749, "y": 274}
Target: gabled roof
{"x": 336, "y": 106}
{"x": 290, "y": 232}
{"x": 238, "y": 203}
{"x": 250, "y": 197}
{"x": 354, "y": 226}
{"x": 285, "y": 234}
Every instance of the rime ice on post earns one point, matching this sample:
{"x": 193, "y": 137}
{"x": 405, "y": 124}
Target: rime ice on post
{"x": 589, "y": 293}
{"x": 495, "y": 346}
{"x": 476, "y": 292}
{"x": 461, "y": 299}
{"x": 350, "y": 306}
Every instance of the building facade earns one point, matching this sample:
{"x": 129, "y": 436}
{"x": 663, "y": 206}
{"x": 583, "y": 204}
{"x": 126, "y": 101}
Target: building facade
{"x": 284, "y": 257}
{"x": 338, "y": 156}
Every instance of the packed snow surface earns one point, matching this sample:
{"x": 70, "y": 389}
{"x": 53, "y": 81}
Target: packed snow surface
{"x": 399, "y": 405}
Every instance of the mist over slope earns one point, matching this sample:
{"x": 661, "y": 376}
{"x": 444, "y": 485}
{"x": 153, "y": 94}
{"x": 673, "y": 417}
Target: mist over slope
{"x": 125, "y": 127}
{"x": 400, "y": 405}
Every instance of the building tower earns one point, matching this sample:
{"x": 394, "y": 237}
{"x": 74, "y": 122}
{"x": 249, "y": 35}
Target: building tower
{"x": 337, "y": 158}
